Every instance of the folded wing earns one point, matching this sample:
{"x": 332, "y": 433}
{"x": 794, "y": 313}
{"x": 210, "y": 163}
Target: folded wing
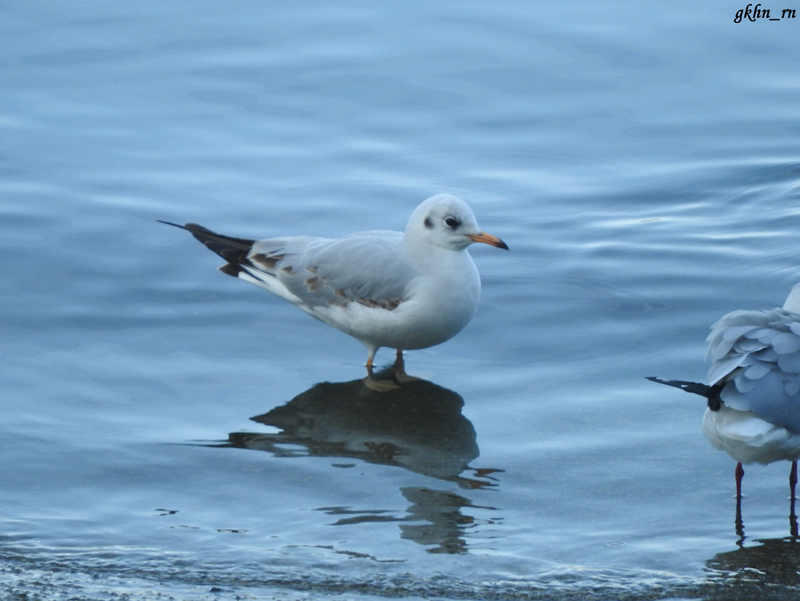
{"x": 756, "y": 354}
{"x": 363, "y": 268}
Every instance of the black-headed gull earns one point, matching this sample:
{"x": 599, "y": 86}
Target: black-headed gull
{"x": 753, "y": 388}
{"x": 403, "y": 290}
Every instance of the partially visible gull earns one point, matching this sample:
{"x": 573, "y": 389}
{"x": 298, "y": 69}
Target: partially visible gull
{"x": 753, "y": 387}
{"x": 403, "y": 290}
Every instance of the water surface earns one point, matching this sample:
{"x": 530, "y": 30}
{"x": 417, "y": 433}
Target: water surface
{"x": 169, "y": 430}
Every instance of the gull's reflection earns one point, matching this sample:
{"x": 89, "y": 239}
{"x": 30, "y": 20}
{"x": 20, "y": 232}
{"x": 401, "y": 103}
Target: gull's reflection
{"x": 434, "y": 518}
{"x": 443, "y": 522}
{"x": 415, "y": 425}
{"x": 772, "y": 562}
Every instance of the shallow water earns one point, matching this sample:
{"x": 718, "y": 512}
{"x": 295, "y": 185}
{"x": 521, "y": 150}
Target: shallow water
{"x": 169, "y": 430}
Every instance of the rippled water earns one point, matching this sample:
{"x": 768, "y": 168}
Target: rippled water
{"x": 167, "y": 430}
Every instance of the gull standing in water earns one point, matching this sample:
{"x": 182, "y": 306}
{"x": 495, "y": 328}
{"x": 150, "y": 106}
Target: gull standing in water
{"x": 753, "y": 388}
{"x": 402, "y": 290}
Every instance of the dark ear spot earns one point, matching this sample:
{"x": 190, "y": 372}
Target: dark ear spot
{"x": 428, "y": 223}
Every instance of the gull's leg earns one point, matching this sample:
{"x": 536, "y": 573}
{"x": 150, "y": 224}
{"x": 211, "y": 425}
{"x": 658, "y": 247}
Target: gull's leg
{"x": 369, "y": 362}
{"x": 399, "y": 365}
{"x": 739, "y": 475}
{"x": 373, "y": 383}
{"x": 739, "y": 522}
{"x": 792, "y": 515}
{"x": 399, "y": 369}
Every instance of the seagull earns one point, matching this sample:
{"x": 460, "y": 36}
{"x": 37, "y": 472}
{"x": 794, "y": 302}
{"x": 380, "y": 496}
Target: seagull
{"x": 753, "y": 387}
{"x": 402, "y": 290}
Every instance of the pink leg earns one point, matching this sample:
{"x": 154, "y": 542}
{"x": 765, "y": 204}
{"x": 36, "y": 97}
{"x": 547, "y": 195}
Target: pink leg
{"x": 739, "y": 474}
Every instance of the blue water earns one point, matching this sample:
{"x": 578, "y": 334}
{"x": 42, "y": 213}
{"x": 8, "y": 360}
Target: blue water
{"x": 643, "y": 165}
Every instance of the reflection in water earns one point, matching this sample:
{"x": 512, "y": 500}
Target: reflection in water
{"x": 445, "y": 521}
{"x": 773, "y": 563}
{"x": 438, "y": 513}
{"x": 740, "y": 522}
{"x": 416, "y": 425}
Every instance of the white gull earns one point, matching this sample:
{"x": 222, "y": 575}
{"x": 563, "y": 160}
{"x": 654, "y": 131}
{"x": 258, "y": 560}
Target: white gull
{"x": 402, "y": 290}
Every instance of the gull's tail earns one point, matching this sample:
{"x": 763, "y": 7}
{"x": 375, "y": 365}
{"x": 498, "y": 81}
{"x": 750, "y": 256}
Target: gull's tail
{"x": 709, "y": 392}
{"x": 233, "y": 250}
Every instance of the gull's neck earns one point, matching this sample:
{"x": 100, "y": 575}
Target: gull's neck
{"x": 422, "y": 252}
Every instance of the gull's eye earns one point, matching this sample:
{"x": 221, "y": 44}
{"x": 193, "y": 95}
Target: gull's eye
{"x": 452, "y": 222}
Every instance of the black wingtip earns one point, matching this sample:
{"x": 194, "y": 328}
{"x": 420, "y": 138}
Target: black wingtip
{"x": 233, "y": 250}
{"x": 183, "y": 227}
{"x": 692, "y": 387}
{"x": 709, "y": 392}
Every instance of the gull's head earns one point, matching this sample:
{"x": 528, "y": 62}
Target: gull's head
{"x": 447, "y": 221}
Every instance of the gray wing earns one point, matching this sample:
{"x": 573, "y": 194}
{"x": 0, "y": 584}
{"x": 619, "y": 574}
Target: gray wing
{"x": 757, "y": 354}
{"x": 367, "y": 268}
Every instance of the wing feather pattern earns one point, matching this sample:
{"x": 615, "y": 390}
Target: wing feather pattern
{"x": 756, "y": 355}
{"x": 319, "y": 271}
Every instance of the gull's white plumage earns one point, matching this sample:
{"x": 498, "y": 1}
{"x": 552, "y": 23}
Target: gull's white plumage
{"x": 747, "y": 438}
{"x": 405, "y": 290}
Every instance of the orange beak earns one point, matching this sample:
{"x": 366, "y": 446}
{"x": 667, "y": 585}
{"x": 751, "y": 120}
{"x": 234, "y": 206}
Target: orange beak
{"x": 488, "y": 239}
